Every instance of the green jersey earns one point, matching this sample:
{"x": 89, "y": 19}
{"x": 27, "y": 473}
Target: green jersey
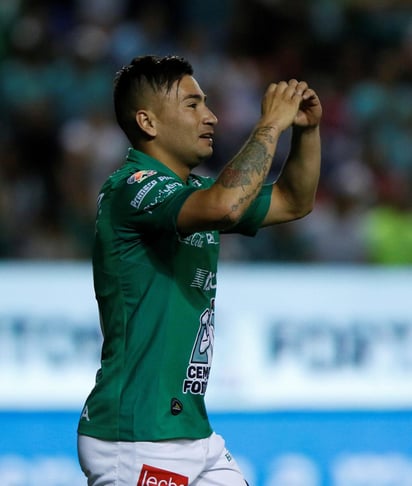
{"x": 155, "y": 290}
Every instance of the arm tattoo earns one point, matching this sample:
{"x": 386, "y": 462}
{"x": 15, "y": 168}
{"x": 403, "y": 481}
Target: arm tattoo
{"x": 249, "y": 168}
{"x": 253, "y": 159}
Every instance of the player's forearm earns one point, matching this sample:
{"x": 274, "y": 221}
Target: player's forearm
{"x": 242, "y": 178}
{"x": 300, "y": 175}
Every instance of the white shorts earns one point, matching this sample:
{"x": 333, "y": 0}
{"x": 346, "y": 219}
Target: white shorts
{"x": 182, "y": 462}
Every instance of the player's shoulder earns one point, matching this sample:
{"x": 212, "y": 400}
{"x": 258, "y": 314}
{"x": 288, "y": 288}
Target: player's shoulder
{"x": 129, "y": 178}
{"x": 147, "y": 188}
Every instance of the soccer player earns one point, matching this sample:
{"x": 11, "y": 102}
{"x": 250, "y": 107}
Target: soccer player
{"x": 155, "y": 266}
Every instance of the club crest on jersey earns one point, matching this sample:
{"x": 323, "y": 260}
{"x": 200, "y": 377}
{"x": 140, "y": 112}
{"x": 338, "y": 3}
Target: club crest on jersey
{"x": 140, "y": 176}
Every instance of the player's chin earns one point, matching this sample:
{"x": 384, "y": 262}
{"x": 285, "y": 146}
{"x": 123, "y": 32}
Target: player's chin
{"x": 206, "y": 154}
{"x": 195, "y": 162}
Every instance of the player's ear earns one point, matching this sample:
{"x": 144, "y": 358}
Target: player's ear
{"x": 147, "y": 122}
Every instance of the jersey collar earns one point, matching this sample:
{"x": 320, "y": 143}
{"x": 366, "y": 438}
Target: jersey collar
{"x": 146, "y": 161}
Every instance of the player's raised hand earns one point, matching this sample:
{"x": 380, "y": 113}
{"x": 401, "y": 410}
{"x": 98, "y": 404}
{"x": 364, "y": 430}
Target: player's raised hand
{"x": 280, "y": 103}
{"x": 310, "y": 109}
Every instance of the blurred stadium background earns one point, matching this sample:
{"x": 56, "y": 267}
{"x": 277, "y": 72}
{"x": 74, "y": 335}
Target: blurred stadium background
{"x": 312, "y": 382}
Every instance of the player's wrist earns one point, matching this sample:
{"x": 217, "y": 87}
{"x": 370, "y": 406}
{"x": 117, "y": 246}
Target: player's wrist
{"x": 272, "y": 128}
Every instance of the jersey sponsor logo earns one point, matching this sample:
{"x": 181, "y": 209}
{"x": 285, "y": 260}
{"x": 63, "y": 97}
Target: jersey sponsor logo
{"x": 140, "y": 176}
{"x": 163, "y": 193}
{"x": 198, "y": 369}
{"x": 154, "y": 476}
{"x": 204, "y": 279}
{"x": 136, "y": 202}
{"x": 199, "y": 240}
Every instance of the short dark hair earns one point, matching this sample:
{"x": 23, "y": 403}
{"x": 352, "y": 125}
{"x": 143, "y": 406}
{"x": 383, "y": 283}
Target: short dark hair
{"x": 130, "y": 82}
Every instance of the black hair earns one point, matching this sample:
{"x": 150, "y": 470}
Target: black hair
{"x": 131, "y": 81}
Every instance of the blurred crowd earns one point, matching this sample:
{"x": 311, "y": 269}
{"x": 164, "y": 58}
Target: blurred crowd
{"x": 59, "y": 140}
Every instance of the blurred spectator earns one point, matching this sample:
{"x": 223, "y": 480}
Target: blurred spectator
{"x": 388, "y": 225}
{"x": 58, "y": 138}
{"x": 334, "y": 231}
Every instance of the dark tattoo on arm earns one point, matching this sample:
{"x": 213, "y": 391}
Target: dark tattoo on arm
{"x": 249, "y": 168}
{"x": 253, "y": 159}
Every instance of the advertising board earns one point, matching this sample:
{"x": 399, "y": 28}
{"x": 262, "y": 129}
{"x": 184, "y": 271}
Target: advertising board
{"x": 311, "y": 383}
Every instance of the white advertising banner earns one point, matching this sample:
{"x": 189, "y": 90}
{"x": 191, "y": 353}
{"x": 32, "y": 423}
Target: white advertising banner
{"x": 299, "y": 337}
{"x": 49, "y": 335}
{"x": 313, "y": 337}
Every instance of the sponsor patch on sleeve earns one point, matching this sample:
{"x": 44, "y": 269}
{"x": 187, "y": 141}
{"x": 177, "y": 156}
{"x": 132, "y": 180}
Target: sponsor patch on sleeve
{"x": 140, "y": 176}
{"x": 142, "y": 193}
{"x": 165, "y": 187}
